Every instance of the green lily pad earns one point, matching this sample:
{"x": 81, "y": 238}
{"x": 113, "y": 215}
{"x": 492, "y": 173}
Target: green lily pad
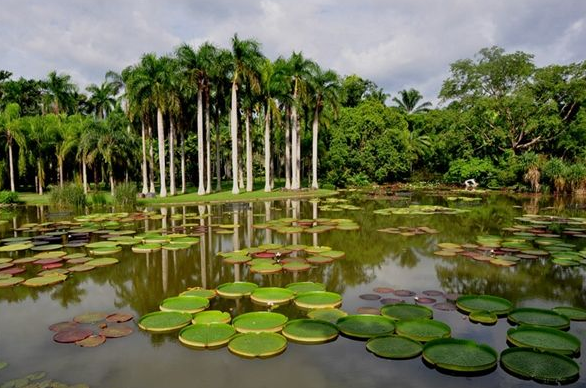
{"x": 16, "y": 247}
{"x": 42, "y": 281}
{"x": 574, "y": 313}
{"x": 272, "y": 295}
{"x": 206, "y": 335}
{"x": 300, "y": 287}
{"x": 12, "y": 240}
{"x": 257, "y": 344}
{"x": 236, "y": 289}
{"x": 365, "y": 325}
{"x": 310, "y": 330}
{"x": 469, "y": 303}
{"x": 164, "y": 321}
{"x": 81, "y": 268}
{"x": 327, "y": 314}
{"x": 317, "y": 249}
{"x": 146, "y": 248}
{"x": 259, "y": 321}
{"x": 46, "y": 247}
{"x": 24, "y": 260}
{"x": 201, "y": 292}
{"x": 11, "y": 281}
{"x": 333, "y": 254}
{"x": 404, "y": 311}
{"x": 296, "y": 266}
{"x": 188, "y": 304}
{"x": 185, "y": 240}
{"x": 459, "y": 355}
{"x": 102, "y": 262}
{"x": 423, "y": 330}
{"x": 541, "y": 366}
{"x": 544, "y": 338}
{"x": 50, "y": 255}
{"x": 265, "y": 269}
{"x": 483, "y": 316}
{"x": 176, "y": 246}
{"x": 394, "y": 347}
{"x": 319, "y": 260}
{"x": 539, "y": 317}
{"x": 105, "y": 251}
{"x": 211, "y": 316}
{"x": 237, "y": 259}
{"x": 102, "y": 244}
{"x": 318, "y": 299}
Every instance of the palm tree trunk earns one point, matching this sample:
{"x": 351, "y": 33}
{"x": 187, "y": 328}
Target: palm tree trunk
{"x": 267, "y": 149}
{"x": 84, "y": 174}
{"x": 151, "y": 161}
{"x": 200, "y": 157}
{"x": 40, "y": 174}
{"x": 294, "y": 148}
{"x": 60, "y": 164}
{"x": 218, "y": 172}
{"x": 111, "y": 182}
{"x": 172, "y": 188}
{"x": 248, "y": 151}
{"x": 208, "y": 146}
{"x": 143, "y": 165}
{"x": 315, "y": 128}
{"x": 161, "y": 139}
{"x": 234, "y": 138}
{"x": 287, "y": 151}
{"x": 182, "y": 163}
{"x": 11, "y": 165}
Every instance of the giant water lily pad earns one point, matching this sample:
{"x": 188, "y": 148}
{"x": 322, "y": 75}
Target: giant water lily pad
{"x": 300, "y": 287}
{"x": 328, "y": 314}
{"x": 188, "y": 304}
{"x": 92, "y": 317}
{"x": 102, "y": 244}
{"x": 92, "y": 341}
{"x": 49, "y": 255}
{"x": 236, "y": 289}
{"x": 257, "y": 344}
{"x": 102, "y": 262}
{"x": 272, "y": 295}
{"x": 164, "y": 321}
{"x": 423, "y": 330}
{"x": 211, "y": 316}
{"x": 296, "y": 266}
{"x": 119, "y": 317}
{"x": 42, "y": 281}
{"x": 206, "y": 335}
{"x": 81, "y": 268}
{"x": 541, "y": 366}
{"x": 201, "y": 292}
{"x": 116, "y": 331}
{"x": 46, "y": 247}
{"x": 266, "y": 268}
{"x": 146, "y": 248}
{"x": 318, "y": 299}
{"x": 404, "y": 311}
{"x": 310, "y": 330}
{"x": 539, "y": 317}
{"x": 365, "y": 325}
{"x": 469, "y": 303}
{"x": 259, "y": 321}
{"x": 459, "y": 355}
{"x": 394, "y": 347}
{"x": 574, "y": 313}
{"x": 16, "y": 247}
{"x": 483, "y": 316}
{"x": 105, "y": 251}
{"x": 544, "y": 338}
{"x": 11, "y": 281}
{"x": 317, "y": 249}
{"x": 72, "y": 335}
{"x": 237, "y": 259}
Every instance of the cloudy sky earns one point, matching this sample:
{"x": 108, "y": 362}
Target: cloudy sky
{"x": 398, "y": 44}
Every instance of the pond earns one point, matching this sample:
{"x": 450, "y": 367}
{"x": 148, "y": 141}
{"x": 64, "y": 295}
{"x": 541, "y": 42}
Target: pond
{"x": 378, "y": 266}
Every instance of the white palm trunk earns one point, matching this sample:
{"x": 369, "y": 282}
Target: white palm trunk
{"x": 208, "y": 149}
{"x": 172, "y": 188}
{"x": 151, "y": 161}
{"x": 200, "y": 157}
{"x": 294, "y": 147}
{"x": 111, "y": 182}
{"x": 59, "y": 162}
{"x": 267, "y": 150}
{"x": 161, "y": 139}
{"x": 287, "y": 152}
{"x": 143, "y": 165}
{"x": 11, "y": 163}
{"x": 218, "y": 171}
{"x": 315, "y": 129}
{"x": 182, "y": 163}
{"x": 84, "y": 174}
{"x": 234, "y": 138}
{"x": 248, "y": 153}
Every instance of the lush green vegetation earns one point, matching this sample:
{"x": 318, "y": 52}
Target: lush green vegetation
{"x": 206, "y": 115}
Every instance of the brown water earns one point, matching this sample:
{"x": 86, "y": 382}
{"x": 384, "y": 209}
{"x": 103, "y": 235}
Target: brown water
{"x": 373, "y": 259}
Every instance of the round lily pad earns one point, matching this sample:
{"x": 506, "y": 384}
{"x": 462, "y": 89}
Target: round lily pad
{"x": 102, "y": 262}
{"x": 188, "y": 304}
{"x": 236, "y": 289}
{"x": 42, "y": 281}
{"x": 102, "y": 244}
{"x": 81, "y": 268}
{"x": 574, "y": 313}
{"x": 310, "y": 330}
{"x": 60, "y": 326}
{"x": 116, "y": 331}
{"x": 541, "y": 366}
{"x": 47, "y": 247}
{"x": 105, "y": 251}
{"x": 13, "y": 270}
{"x": 119, "y": 317}
{"x": 296, "y": 266}
{"x": 237, "y": 259}
{"x": 272, "y": 295}
{"x": 459, "y": 355}
{"x": 318, "y": 299}
{"x": 317, "y": 249}
{"x": 404, "y": 293}
{"x": 365, "y": 325}
{"x": 50, "y": 255}
{"x": 433, "y": 293}
{"x": 469, "y": 303}
{"x": 394, "y": 347}
{"x": 370, "y": 296}
{"x": 164, "y": 321}
{"x": 201, "y": 292}
{"x": 257, "y": 344}
{"x": 423, "y": 330}
{"x": 383, "y": 290}
{"x": 319, "y": 260}
{"x": 92, "y": 341}
{"x": 206, "y": 335}
{"x": 211, "y": 316}
{"x": 328, "y": 314}
{"x": 368, "y": 310}
{"x": 176, "y": 246}
{"x": 300, "y": 287}
{"x": 544, "y": 338}
{"x": 146, "y": 248}
{"x": 16, "y": 247}
{"x": 405, "y": 311}
{"x": 24, "y": 260}
{"x": 483, "y": 316}
{"x": 72, "y": 335}
{"x": 90, "y": 317}
{"x": 333, "y": 254}
{"x": 259, "y": 321}
{"x": 265, "y": 269}
{"x": 11, "y": 281}
{"x": 48, "y": 261}
{"x": 425, "y": 300}
{"x": 539, "y": 317}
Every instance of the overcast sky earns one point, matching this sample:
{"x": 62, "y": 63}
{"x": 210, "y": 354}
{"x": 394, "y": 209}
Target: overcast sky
{"x": 399, "y": 44}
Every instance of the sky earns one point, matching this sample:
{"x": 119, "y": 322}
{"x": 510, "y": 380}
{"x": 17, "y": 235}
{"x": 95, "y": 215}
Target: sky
{"x": 398, "y": 44}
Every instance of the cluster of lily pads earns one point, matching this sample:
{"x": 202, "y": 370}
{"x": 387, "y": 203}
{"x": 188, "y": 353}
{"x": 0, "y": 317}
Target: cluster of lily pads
{"x": 319, "y": 225}
{"x": 92, "y": 329}
{"x": 36, "y": 380}
{"x": 419, "y": 210}
{"x": 274, "y": 258}
{"x": 337, "y": 205}
{"x": 408, "y": 231}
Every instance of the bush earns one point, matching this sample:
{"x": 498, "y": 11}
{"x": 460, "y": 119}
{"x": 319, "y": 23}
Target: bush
{"x": 70, "y": 195}
{"x": 98, "y": 199}
{"x": 555, "y": 171}
{"x": 482, "y": 170}
{"x": 8, "y": 197}
{"x": 125, "y": 194}
{"x": 358, "y": 180}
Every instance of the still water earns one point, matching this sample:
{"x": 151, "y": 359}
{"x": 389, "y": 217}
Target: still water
{"x": 373, "y": 259}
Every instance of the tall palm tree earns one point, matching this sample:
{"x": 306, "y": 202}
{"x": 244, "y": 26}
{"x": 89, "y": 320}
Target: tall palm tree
{"x": 325, "y": 89}
{"x": 40, "y": 140}
{"x": 409, "y": 101}
{"x": 68, "y": 131}
{"x": 246, "y": 59}
{"x": 11, "y": 130}
{"x": 59, "y": 93}
{"x": 102, "y": 98}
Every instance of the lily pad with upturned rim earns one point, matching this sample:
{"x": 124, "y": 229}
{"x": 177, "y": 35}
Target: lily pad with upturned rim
{"x": 164, "y": 321}
{"x": 365, "y": 325}
{"x": 259, "y": 321}
{"x": 236, "y": 289}
{"x": 211, "y": 316}
{"x": 42, "y": 281}
{"x": 72, "y": 335}
{"x": 296, "y": 266}
{"x": 92, "y": 341}
{"x": 257, "y": 344}
{"x": 483, "y": 316}
{"x": 102, "y": 262}
{"x": 272, "y": 295}
{"x": 92, "y": 317}
{"x": 201, "y": 292}
{"x": 116, "y": 331}
{"x": 495, "y": 304}
{"x": 328, "y": 314}
{"x": 310, "y": 330}
{"x": 206, "y": 335}
{"x": 146, "y": 248}
{"x": 423, "y": 330}
{"x": 394, "y": 347}
{"x": 574, "y": 313}
{"x": 544, "y": 338}
{"x": 459, "y": 355}
{"x": 300, "y": 287}
{"x": 318, "y": 299}
{"x": 11, "y": 281}
{"x": 119, "y": 317}
{"x": 539, "y": 317}
{"x": 266, "y": 269}
{"x": 546, "y": 367}
{"x": 188, "y": 304}
{"x": 405, "y": 311}
{"x": 16, "y": 247}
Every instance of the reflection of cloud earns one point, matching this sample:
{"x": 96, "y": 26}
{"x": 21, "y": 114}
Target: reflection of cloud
{"x": 398, "y": 44}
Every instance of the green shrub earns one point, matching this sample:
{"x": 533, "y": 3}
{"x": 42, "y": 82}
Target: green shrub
{"x": 358, "y": 180}
{"x": 70, "y": 195}
{"x": 328, "y": 186}
{"x": 98, "y": 199}
{"x": 8, "y": 197}
{"x": 125, "y": 194}
{"x": 556, "y": 172}
{"x": 482, "y": 170}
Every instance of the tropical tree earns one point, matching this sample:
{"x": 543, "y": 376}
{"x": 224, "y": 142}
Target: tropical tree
{"x": 11, "y": 130}
{"x": 102, "y": 99}
{"x": 59, "y": 93}
{"x": 67, "y": 133}
{"x": 40, "y": 140}
{"x": 409, "y": 102}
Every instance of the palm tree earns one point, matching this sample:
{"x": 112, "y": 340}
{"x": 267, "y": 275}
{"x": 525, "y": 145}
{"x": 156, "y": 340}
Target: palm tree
{"x": 326, "y": 90}
{"x": 68, "y": 132}
{"x": 409, "y": 100}
{"x": 103, "y": 98}
{"x": 59, "y": 93}
{"x": 40, "y": 140}
{"x": 246, "y": 59}
{"x": 11, "y": 129}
